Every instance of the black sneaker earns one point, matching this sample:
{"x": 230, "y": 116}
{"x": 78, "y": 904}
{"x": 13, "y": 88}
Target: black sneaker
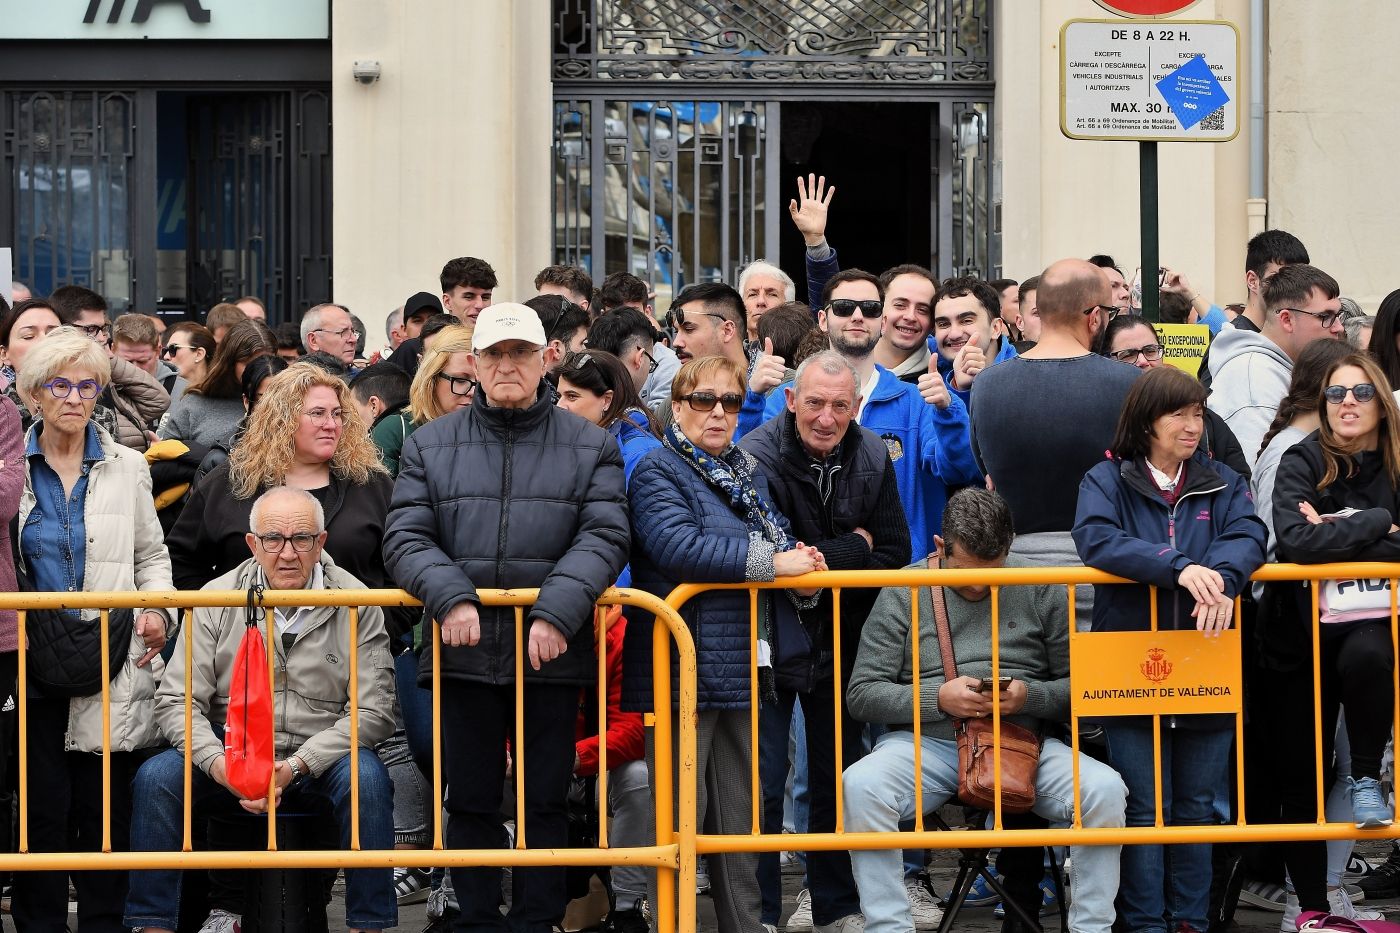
{"x": 442, "y": 924}
{"x": 1384, "y": 880}
{"x": 626, "y": 921}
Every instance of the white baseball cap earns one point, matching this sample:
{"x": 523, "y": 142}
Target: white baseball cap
{"x": 507, "y": 321}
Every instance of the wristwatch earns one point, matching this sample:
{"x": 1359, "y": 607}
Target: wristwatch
{"x": 296, "y": 769}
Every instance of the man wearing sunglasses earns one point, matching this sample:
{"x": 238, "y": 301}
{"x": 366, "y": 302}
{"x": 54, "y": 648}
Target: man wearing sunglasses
{"x": 1250, "y": 370}
{"x": 924, "y": 426}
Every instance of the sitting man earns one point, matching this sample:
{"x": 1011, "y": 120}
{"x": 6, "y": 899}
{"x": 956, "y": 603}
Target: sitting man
{"x": 312, "y": 701}
{"x": 879, "y": 789}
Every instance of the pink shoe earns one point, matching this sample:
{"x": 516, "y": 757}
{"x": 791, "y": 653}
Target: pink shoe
{"x": 1315, "y": 921}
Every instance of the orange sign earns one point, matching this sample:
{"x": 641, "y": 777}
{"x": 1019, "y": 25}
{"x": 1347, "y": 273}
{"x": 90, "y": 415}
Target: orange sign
{"x": 1140, "y": 673}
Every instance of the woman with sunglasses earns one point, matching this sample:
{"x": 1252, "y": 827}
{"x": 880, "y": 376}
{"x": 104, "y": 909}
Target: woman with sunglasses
{"x": 595, "y": 385}
{"x": 189, "y": 347}
{"x": 1132, "y": 339}
{"x": 701, "y": 511}
{"x": 210, "y": 410}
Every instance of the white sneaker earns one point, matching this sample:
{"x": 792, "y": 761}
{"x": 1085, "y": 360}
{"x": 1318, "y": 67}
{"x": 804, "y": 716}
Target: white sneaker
{"x": 1342, "y": 906}
{"x": 1289, "y": 923}
{"x": 801, "y": 919}
{"x": 923, "y": 907}
{"x": 221, "y": 921}
{"x": 851, "y": 923}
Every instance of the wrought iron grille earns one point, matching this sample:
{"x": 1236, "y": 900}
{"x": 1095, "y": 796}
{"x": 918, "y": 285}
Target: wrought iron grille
{"x": 70, "y": 158}
{"x": 671, "y": 191}
{"x": 878, "y": 42}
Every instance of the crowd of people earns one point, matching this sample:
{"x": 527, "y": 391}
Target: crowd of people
{"x": 581, "y": 440}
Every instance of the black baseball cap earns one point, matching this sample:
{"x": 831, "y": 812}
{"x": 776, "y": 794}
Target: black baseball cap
{"x": 424, "y": 303}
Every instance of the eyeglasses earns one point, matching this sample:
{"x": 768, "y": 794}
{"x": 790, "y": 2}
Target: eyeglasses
{"x": 519, "y": 356}
{"x": 651, "y": 362}
{"x": 95, "y": 331}
{"x": 869, "y": 309}
{"x": 172, "y": 348}
{"x": 458, "y": 385}
{"x": 706, "y": 401}
{"x": 1363, "y": 392}
{"x": 62, "y": 388}
{"x": 342, "y": 334}
{"x": 679, "y": 315}
{"x": 1325, "y": 318}
{"x": 1110, "y": 310}
{"x": 273, "y": 543}
{"x": 1151, "y": 352}
{"x": 320, "y": 416}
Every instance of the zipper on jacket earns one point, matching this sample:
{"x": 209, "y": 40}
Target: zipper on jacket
{"x": 501, "y": 532}
{"x": 1171, "y": 539}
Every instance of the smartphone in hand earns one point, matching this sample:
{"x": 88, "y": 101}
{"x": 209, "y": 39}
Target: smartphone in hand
{"x": 986, "y": 685}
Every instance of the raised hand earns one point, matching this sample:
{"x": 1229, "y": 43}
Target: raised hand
{"x": 809, "y": 208}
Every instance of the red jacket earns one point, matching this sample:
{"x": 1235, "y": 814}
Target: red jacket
{"x": 626, "y": 740}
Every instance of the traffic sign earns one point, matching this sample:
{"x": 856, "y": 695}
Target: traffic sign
{"x": 1145, "y": 8}
{"x": 1112, "y": 77}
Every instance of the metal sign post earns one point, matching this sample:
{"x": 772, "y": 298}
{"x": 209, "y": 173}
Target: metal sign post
{"x": 1149, "y": 81}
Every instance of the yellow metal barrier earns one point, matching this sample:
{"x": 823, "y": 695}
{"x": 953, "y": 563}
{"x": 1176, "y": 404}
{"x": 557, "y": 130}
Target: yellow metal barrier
{"x": 674, "y": 840}
{"x": 1076, "y": 834}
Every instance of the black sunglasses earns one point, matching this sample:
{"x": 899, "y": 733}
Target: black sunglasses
{"x": 1363, "y": 392}
{"x": 1110, "y": 310}
{"x": 171, "y": 349}
{"x": 706, "y": 401}
{"x": 869, "y": 309}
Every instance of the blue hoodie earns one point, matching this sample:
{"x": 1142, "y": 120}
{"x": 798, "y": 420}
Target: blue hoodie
{"x": 945, "y": 367}
{"x": 931, "y": 448}
{"x": 635, "y": 441}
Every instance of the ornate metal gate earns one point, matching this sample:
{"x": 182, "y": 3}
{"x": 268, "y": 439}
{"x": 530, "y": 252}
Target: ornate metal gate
{"x": 667, "y": 122}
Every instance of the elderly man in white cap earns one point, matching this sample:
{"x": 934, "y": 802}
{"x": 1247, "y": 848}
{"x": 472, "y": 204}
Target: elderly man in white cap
{"x": 510, "y": 492}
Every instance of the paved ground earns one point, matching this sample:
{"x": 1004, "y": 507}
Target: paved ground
{"x": 413, "y": 918}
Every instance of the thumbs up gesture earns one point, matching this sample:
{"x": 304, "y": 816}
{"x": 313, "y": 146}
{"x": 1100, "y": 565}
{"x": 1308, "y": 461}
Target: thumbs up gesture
{"x": 767, "y": 371}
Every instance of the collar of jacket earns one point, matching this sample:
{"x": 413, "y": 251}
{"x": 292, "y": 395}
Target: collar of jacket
{"x": 1198, "y": 477}
{"x": 250, "y": 572}
{"x": 402, "y": 411}
{"x": 500, "y": 420}
{"x": 796, "y": 457}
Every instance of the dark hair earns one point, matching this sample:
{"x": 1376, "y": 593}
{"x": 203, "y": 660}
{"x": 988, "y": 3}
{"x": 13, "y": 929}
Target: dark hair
{"x": 978, "y": 522}
{"x": 1156, "y": 393}
{"x": 288, "y": 337}
{"x": 717, "y": 298}
{"x": 1001, "y": 285}
{"x": 849, "y": 275}
{"x": 1121, "y": 323}
{"x": 1173, "y": 307}
{"x": 1383, "y": 337}
{"x": 242, "y": 342}
{"x": 469, "y": 272}
{"x": 1273, "y": 246}
{"x": 224, "y": 314}
{"x": 573, "y": 278}
{"x": 359, "y": 326}
{"x": 199, "y": 337}
{"x": 908, "y": 268}
{"x": 623, "y": 288}
{"x": 384, "y": 380}
{"x": 1294, "y": 284}
{"x": 436, "y": 323}
{"x": 616, "y": 331}
{"x": 1025, "y": 288}
{"x": 560, "y": 316}
{"x": 68, "y": 301}
{"x": 961, "y": 286}
{"x": 1335, "y": 453}
{"x": 600, "y": 372}
{"x": 1310, "y": 371}
{"x": 1105, "y": 261}
{"x": 813, "y": 343}
{"x": 786, "y": 324}
{"x": 259, "y": 370}
{"x": 8, "y": 319}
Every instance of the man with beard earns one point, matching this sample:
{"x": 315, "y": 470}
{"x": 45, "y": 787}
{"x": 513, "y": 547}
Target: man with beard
{"x": 924, "y": 426}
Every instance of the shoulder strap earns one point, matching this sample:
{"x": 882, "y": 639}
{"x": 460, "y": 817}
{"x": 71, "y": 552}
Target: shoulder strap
{"x": 945, "y": 636}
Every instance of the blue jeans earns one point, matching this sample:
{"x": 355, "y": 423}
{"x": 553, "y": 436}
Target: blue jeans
{"x": 1164, "y": 886}
{"x": 879, "y": 792}
{"x": 416, "y": 704}
{"x": 157, "y": 826}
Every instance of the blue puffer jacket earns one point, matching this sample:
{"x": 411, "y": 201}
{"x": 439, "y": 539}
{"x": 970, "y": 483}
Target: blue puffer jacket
{"x": 1123, "y": 526}
{"x": 635, "y": 441}
{"x": 685, "y": 531}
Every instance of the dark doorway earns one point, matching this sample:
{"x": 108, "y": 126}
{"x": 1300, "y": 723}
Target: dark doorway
{"x": 880, "y": 157}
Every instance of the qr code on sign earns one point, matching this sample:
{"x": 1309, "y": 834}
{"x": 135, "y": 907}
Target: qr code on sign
{"x": 1214, "y": 121}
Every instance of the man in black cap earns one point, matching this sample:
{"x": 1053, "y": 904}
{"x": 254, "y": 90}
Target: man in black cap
{"x": 416, "y": 310}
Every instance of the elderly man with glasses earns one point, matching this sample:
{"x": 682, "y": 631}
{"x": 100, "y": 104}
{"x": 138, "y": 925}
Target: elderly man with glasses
{"x": 328, "y": 328}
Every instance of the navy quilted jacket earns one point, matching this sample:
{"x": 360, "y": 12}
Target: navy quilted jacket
{"x": 685, "y": 531}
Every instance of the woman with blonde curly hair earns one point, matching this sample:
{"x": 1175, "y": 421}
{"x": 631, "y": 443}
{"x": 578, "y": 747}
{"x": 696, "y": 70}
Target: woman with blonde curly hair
{"x": 305, "y": 432}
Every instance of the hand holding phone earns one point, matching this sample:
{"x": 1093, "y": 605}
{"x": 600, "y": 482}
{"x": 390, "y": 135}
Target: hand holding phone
{"x": 986, "y": 685}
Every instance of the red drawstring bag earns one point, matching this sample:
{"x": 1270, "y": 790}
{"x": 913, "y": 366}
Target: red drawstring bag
{"x": 248, "y": 733}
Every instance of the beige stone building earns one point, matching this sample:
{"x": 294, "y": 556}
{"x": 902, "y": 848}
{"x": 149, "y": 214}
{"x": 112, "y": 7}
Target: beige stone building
{"x": 173, "y": 153}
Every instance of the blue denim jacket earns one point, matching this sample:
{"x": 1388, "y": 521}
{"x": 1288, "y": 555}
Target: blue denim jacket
{"x": 53, "y": 541}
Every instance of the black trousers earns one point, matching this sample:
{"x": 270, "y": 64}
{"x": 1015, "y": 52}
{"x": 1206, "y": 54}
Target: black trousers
{"x": 477, "y": 721}
{"x": 65, "y": 813}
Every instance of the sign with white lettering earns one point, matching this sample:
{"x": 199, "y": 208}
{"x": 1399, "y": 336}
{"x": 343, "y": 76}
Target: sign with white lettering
{"x": 165, "y": 19}
{"x": 1113, "y": 74}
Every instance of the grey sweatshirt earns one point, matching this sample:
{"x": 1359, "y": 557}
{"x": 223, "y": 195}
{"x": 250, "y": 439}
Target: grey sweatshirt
{"x": 1249, "y": 377}
{"x": 202, "y": 420}
{"x": 1034, "y": 649}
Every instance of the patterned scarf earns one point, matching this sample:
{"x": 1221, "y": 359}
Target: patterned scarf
{"x": 731, "y": 474}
